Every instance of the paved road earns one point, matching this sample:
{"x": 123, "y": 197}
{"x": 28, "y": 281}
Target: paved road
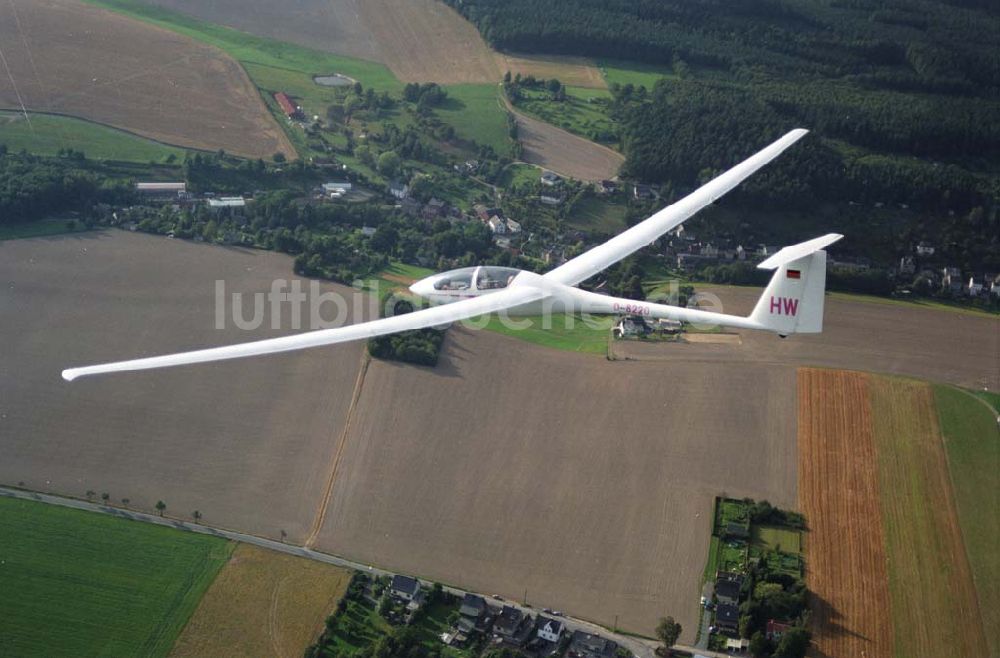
{"x": 641, "y": 647}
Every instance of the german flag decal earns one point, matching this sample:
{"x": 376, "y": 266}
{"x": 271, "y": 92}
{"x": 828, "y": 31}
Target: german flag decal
{"x": 794, "y": 274}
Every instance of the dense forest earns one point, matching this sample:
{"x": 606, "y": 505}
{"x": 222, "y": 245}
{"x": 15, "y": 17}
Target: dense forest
{"x": 901, "y": 97}
{"x": 930, "y": 45}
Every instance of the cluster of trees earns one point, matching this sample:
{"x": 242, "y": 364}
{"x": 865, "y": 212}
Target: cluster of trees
{"x": 775, "y": 596}
{"x": 764, "y": 513}
{"x": 513, "y": 87}
{"x": 422, "y": 346}
{"x": 357, "y": 99}
{"x": 396, "y": 642}
{"x": 429, "y": 94}
{"x": 32, "y": 187}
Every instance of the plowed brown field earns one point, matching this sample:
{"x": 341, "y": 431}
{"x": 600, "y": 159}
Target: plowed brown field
{"x": 67, "y": 57}
{"x": 839, "y": 494}
{"x": 563, "y": 152}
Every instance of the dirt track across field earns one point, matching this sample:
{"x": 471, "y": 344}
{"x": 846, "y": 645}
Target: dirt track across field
{"x": 588, "y": 483}
{"x": 72, "y": 58}
{"x": 931, "y": 344}
{"x": 246, "y": 442}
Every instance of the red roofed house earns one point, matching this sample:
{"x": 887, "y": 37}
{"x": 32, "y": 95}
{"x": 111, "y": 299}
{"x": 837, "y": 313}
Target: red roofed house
{"x": 287, "y": 106}
{"x": 775, "y": 629}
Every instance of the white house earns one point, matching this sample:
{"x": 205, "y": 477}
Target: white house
{"x": 975, "y": 288}
{"x": 549, "y": 629}
{"x": 337, "y": 186}
{"x": 497, "y": 225}
{"x": 399, "y": 189}
{"x": 230, "y": 203}
{"x": 513, "y": 227}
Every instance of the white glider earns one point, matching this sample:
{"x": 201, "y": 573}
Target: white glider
{"x": 791, "y": 303}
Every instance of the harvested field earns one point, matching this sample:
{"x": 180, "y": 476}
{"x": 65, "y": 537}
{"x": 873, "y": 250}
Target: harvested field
{"x": 885, "y": 555}
{"x": 899, "y": 339}
{"x": 248, "y": 443}
{"x": 589, "y": 483}
{"x": 262, "y": 604}
{"x": 572, "y": 71}
{"x": 333, "y": 26}
{"x": 428, "y": 41}
{"x": 152, "y": 82}
{"x": 934, "y": 604}
{"x": 839, "y": 495}
{"x": 565, "y": 153}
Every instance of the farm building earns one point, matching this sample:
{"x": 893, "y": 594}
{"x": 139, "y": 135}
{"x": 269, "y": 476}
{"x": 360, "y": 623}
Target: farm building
{"x": 337, "y": 188}
{"x": 291, "y": 110}
{"x": 232, "y": 205}
{"x": 550, "y": 178}
{"x": 161, "y": 189}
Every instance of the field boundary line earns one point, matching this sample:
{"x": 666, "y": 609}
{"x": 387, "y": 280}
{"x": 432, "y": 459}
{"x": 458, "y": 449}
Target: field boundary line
{"x": 359, "y": 383}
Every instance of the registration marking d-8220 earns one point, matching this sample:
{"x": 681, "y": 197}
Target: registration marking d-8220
{"x": 631, "y": 309}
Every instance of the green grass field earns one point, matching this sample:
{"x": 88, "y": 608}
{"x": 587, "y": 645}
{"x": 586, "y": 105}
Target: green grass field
{"x": 593, "y": 213}
{"x": 475, "y": 112}
{"x": 577, "y": 113}
{"x": 972, "y": 441}
{"x": 783, "y": 539}
{"x": 48, "y": 134}
{"x": 578, "y": 338}
{"x": 632, "y": 73}
{"x": 83, "y": 584}
{"x": 992, "y": 398}
{"x": 41, "y": 228}
{"x": 519, "y": 175}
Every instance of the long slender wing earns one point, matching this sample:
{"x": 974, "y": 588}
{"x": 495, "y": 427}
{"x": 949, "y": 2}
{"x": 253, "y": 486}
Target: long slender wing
{"x": 591, "y": 262}
{"x": 430, "y": 317}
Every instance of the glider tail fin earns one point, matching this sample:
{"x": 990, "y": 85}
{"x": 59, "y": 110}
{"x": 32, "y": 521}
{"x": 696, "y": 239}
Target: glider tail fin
{"x": 792, "y": 303}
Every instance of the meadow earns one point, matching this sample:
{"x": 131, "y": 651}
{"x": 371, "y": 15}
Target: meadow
{"x": 972, "y": 442}
{"x": 89, "y": 584}
{"x": 568, "y": 333}
{"x": 40, "y": 228}
{"x": 49, "y": 134}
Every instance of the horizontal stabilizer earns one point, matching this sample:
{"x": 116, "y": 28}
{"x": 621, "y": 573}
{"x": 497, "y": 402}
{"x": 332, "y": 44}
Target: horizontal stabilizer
{"x": 788, "y": 254}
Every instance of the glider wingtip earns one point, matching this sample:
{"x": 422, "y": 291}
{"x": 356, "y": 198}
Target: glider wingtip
{"x": 69, "y": 375}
